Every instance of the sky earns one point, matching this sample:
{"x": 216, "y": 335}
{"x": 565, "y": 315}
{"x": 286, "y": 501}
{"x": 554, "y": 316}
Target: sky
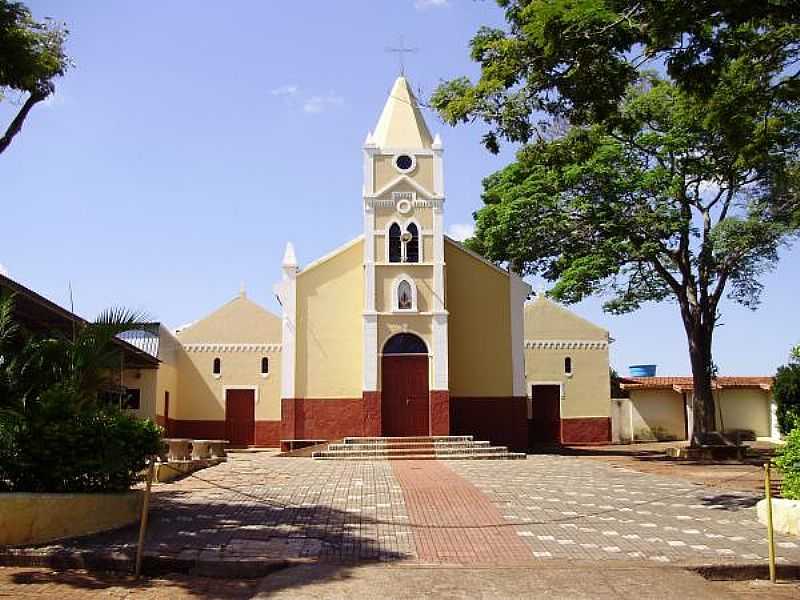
{"x": 192, "y": 139}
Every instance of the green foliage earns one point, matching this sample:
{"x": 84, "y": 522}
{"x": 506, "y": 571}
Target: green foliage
{"x": 60, "y": 448}
{"x": 576, "y": 58}
{"x": 31, "y": 53}
{"x": 55, "y": 435}
{"x": 786, "y": 391}
{"x": 652, "y": 207}
{"x": 788, "y": 461}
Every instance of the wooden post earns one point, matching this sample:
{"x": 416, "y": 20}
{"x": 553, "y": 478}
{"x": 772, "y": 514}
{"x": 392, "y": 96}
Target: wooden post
{"x": 770, "y": 532}
{"x": 143, "y": 521}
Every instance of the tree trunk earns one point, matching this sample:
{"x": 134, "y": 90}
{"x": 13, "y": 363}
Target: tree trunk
{"x": 16, "y": 125}
{"x": 703, "y": 407}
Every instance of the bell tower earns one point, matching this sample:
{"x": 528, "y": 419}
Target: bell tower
{"x": 404, "y": 267}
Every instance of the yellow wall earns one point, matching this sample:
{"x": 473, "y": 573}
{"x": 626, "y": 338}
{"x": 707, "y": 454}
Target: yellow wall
{"x": 744, "y": 408}
{"x": 240, "y": 321}
{"x": 202, "y": 396}
{"x": 384, "y": 286}
{"x": 479, "y": 326}
{"x": 587, "y": 393}
{"x": 655, "y": 408}
{"x": 330, "y": 304}
{"x": 546, "y": 320}
{"x": 385, "y": 171}
{"x": 145, "y": 381}
{"x": 37, "y": 518}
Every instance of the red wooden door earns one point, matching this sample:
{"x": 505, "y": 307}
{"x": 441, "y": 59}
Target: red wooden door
{"x": 546, "y": 425}
{"x": 167, "y": 427}
{"x": 405, "y": 403}
{"x": 240, "y": 417}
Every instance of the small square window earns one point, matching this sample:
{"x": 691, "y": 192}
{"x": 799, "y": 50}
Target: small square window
{"x": 132, "y": 399}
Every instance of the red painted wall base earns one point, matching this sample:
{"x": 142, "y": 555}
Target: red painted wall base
{"x": 502, "y": 421}
{"x": 585, "y": 431}
{"x": 267, "y": 433}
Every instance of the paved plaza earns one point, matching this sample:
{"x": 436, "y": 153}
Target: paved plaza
{"x": 450, "y": 513}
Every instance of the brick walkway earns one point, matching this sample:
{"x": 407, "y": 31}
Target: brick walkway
{"x": 453, "y": 521}
{"x": 466, "y": 512}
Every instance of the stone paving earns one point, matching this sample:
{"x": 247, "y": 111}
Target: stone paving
{"x": 459, "y": 512}
{"x": 565, "y": 507}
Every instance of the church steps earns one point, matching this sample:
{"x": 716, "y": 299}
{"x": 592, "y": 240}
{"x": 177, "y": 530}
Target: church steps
{"x": 408, "y": 445}
{"x": 415, "y": 451}
{"x": 399, "y": 439}
{"x": 499, "y": 456}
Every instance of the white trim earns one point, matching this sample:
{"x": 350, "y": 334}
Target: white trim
{"x": 412, "y": 332}
{"x": 441, "y": 375}
{"x": 410, "y": 169}
{"x": 286, "y": 291}
{"x": 403, "y": 225}
{"x": 403, "y": 179}
{"x": 396, "y": 297}
{"x": 474, "y": 255}
{"x": 370, "y": 352}
{"x": 225, "y": 389}
{"x": 390, "y": 203}
{"x": 395, "y": 150}
{"x": 332, "y": 254}
{"x": 566, "y": 345}
{"x": 529, "y": 394}
{"x": 212, "y": 347}
{"x": 518, "y": 292}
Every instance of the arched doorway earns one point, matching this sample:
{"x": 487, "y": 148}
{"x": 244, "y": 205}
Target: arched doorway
{"x": 405, "y": 403}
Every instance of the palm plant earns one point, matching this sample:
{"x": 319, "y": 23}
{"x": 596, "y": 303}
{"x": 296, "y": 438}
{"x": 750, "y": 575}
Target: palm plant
{"x": 56, "y": 433}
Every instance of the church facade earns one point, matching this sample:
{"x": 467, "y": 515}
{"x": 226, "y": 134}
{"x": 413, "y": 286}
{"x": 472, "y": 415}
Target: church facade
{"x": 399, "y": 332}
{"x": 402, "y": 331}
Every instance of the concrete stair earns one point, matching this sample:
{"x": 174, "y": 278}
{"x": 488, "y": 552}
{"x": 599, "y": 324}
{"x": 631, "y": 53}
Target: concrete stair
{"x": 461, "y": 447}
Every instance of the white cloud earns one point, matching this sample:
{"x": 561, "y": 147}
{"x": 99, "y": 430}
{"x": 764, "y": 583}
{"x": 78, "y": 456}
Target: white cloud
{"x": 426, "y": 4}
{"x": 318, "y": 104}
{"x": 461, "y": 231}
{"x": 3, "y": 270}
{"x": 285, "y": 90}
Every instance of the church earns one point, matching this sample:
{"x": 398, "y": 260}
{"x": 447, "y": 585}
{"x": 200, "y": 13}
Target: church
{"x": 401, "y": 331}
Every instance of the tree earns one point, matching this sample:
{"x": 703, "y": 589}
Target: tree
{"x": 31, "y": 57}
{"x": 576, "y": 58}
{"x": 786, "y": 391}
{"x": 629, "y": 184}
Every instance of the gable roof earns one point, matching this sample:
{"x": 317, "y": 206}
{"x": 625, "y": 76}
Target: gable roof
{"x": 475, "y": 255}
{"x": 238, "y": 321}
{"x": 545, "y": 320}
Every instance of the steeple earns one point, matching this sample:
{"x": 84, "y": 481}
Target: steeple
{"x": 401, "y": 124}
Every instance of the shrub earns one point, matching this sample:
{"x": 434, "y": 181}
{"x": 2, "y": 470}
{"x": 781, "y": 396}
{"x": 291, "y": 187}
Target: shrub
{"x": 57, "y": 448}
{"x": 788, "y": 461}
{"x": 786, "y": 391}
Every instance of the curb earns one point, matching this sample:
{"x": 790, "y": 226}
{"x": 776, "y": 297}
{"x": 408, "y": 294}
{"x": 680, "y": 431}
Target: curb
{"x": 745, "y": 572}
{"x": 213, "y": 564}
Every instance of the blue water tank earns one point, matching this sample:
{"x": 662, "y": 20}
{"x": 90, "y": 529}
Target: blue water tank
{"x": 642, "y": 370}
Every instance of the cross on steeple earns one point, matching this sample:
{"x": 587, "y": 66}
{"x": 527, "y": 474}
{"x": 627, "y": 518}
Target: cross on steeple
{"x": 401, "y": 51}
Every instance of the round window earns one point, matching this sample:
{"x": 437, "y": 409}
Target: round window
{"x": 404, "y": 162}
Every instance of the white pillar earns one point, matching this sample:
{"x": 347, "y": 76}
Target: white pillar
{"x": 518, "y": 293}
{"x": 286, "y": 291}
{"x": 370, "y": 323}
{"x": 774, "y": 430}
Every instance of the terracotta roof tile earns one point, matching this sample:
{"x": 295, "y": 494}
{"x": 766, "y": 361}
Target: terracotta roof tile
{"x": 685, "y": 383}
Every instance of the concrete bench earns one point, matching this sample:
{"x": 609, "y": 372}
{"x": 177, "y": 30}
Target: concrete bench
{"x": 178, "y": 449}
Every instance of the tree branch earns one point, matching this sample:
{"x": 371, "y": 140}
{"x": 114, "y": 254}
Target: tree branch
{"x": 16, "y": 125}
